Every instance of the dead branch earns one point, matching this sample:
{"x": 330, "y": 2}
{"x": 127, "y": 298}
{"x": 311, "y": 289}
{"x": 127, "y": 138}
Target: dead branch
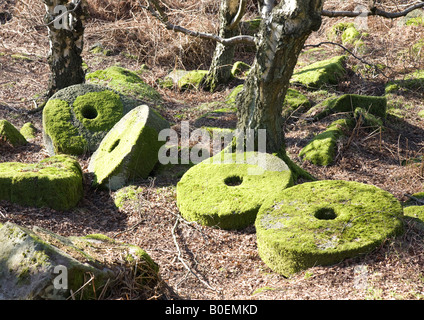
{"x": 182, "y": 260}
{"x": 240, "y": 13}
{"x": 351, "y": 53}
{"x": 373, "y": 11}
{"x": 155, "y": 10}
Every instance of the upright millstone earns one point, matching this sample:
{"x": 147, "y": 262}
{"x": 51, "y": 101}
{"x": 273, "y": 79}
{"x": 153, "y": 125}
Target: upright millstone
{"x": 129, "y": 150}
{"x": 77, "y": 118}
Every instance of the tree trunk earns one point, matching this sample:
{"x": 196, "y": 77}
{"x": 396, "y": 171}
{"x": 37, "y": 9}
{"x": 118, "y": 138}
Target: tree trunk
{"x": 66, "y": 43}
{"x": 220, "y": 69}
{"x": 283, "y": 32}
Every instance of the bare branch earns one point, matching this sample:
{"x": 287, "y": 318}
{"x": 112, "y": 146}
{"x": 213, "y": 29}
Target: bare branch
{"x": 240, "y": 13}
{"x": 350, "y": 52}
{"x": 161, "y": 16}
{"x": 373, "y": 12}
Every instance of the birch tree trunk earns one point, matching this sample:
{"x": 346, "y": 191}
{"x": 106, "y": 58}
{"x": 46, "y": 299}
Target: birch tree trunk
{"x": 284, "y": 29}
{"x": 220, "y": 69}
{"x": 66, "y": 42}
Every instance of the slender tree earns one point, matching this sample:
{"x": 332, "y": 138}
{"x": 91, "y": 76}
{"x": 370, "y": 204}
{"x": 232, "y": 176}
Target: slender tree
{"x": 230, "y": 14}
{"x": 285, "y": 26}
{"x": 65, "y": 22}
{"x": 284, "y": 29}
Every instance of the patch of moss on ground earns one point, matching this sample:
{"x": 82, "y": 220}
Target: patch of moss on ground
{"x": 321, "y": 73}
{"x": 126, "y": 195}
{"x": 411, "y": 82}
{"x": 231, "y": 98}
{"x": 324, "y": 222}
{"x": 10, "y": 134}
{"x": 322, "y": 149}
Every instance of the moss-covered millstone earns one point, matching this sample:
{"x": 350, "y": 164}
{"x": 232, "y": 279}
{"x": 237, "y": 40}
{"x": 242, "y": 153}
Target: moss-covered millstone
{"x": 192, "y": 79}
{"x": 349, "y": 103}
{"x": 28, "y": 131}
{"x": 125, "y": 82}
{"x": 324, "y": 222}
{"x": 9, "y": 134}
{"x": 321, "y": 150}
{"x": 321, "y": 73}
{"x": 29, "y": 257}
{"x": 129, "y": 150}
{"x": 54, "y": 182}
{"x": 228, "y": 192}
{"x": 77, "y": 118}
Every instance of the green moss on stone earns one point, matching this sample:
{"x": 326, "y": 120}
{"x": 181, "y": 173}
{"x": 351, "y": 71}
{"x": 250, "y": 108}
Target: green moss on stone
{"x": 28, "y": 131}
{"x": 321, "y": 73}
{"x": 10, "y": 134}
{"x": 192, "y": 79}
{"x": 231, "y": 98}
{"x": 55, "y": 182}
{"x": 348, "y": 103}
{"x": 324, "y": 222}
{"x": 129, "y": 150}
{"x": 98, "y": 111}
{"x": 126, "y": 82}
{"x": 229, "y": 194}
{"x": 294, "y": 100}
{"x": 77, "y": 118}
{"x": 322, "y": 149}
{"x": 367, "y": 118}
{"x": 239, "y": 68}
{"x": 59, "y": 130}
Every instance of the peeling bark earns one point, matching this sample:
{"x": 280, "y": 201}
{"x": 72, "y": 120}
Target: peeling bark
{"x": 282, "y": 35}
{"x": 66, "y": 43}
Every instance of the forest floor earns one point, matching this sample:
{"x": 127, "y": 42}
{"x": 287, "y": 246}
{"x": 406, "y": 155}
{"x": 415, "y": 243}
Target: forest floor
{"x": 227, "y": 261}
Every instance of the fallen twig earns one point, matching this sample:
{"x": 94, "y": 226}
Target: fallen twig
{"x": 177, "y": 221}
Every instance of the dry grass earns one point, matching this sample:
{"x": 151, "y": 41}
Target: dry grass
{"x": 226, "y": 260}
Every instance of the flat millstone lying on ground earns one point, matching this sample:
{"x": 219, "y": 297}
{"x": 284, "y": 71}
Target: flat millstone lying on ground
{"x": 77, "y": 118}
{"x": 39, "y": 264}
{"x": 130, "y": 150}
{"x": 55, "y": 182}
{"x": 229, "y": 194}
{"x": 324, "y": 222}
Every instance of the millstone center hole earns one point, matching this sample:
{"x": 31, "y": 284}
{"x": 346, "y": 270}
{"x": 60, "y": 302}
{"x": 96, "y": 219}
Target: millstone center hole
{"x": 233, "y": 181}
{"x": 89, "y": 112}
{"x": 325, "y": 214}
{"x": 114, "y": 145}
